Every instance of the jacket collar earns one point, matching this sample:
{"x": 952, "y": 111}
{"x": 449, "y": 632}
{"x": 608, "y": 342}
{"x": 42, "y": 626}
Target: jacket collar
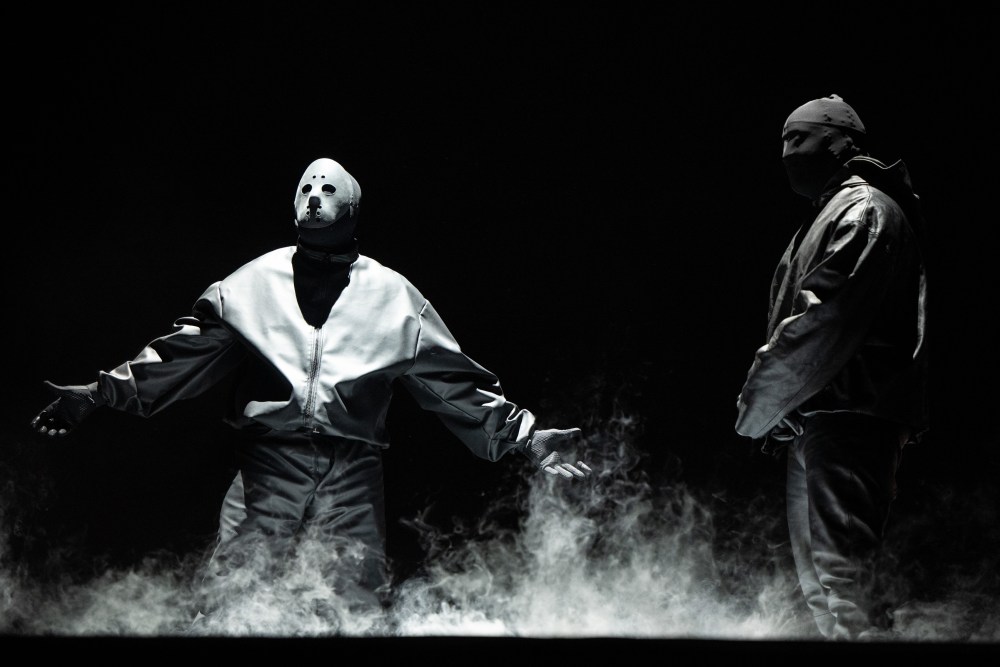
{"x": 841, "y": 179}
{"x": 346, "y": 255}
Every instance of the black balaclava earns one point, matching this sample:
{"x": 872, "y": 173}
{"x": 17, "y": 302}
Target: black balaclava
{"x": 818, "y": 139}
{"x": 326, "y": 216}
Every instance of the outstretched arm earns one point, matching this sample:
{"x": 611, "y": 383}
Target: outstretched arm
{"x": 199, "y": 352}
{"x": 470, "y": 402}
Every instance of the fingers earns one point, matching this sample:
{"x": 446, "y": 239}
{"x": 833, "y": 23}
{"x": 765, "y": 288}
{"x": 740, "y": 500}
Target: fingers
{"x": 562, "y": 432}
{"x": 553, "y": 441}
{"x": 51, "y": 431}
{"x": 45, "y": 424}
{"x": 580, "y": 470}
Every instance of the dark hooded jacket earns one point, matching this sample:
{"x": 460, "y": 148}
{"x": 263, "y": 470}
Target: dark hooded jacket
{"x": 846, "y": 328}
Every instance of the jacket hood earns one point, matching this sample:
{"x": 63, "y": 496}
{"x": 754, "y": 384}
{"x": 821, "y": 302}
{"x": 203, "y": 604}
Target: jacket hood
{"x": 893, "y": 180}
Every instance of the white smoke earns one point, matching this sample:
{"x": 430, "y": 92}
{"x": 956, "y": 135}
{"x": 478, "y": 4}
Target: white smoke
{"x": 615, "y": 555}
{"x": 611, "y": 558}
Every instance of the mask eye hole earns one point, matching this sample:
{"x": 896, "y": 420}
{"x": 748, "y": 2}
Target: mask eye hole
{"x": 307, "y": 188}
{"x": 329, "y": 189}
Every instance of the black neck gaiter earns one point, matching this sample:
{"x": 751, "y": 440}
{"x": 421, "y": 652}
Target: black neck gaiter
{"x": 320, "y": 275}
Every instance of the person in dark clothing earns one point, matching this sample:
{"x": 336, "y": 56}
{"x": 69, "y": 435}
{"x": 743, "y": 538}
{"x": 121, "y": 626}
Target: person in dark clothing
{"x": 840, "y": 385}
{"x": 317, "y": 336}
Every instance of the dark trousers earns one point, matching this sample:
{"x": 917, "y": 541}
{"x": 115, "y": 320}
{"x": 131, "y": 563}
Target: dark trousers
{"x": 841, "y": 481}
{"x": 300, "y": 488}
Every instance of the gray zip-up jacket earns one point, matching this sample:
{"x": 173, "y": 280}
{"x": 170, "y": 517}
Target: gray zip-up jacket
{"x": 846, "y": 327}
{"x": 335, "y": 379}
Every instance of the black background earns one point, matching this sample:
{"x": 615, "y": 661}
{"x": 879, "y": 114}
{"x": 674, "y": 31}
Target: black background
{"x": 592, "y": 198}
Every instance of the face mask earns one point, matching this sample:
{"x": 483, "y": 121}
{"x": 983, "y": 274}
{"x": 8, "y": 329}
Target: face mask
{"x": 326, "y": 203}
{"x": 817, "y": 142}
{"x": 811, "y": 154}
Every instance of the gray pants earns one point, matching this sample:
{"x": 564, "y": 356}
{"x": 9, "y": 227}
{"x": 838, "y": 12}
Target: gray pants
{"x": 300, "y": 485}
{"x": 841, "y": 481}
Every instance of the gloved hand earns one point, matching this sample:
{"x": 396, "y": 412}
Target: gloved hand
{"x": 787, "y": 429}
{"x": 73, "y": 404}
{"x": 545, "y": 448}
{"x": 778, "y": 437}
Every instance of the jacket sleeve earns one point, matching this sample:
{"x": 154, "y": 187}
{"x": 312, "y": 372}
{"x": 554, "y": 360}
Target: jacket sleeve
{"x": 465, "y": 396}
{"x": 835, "y": 305}
{"x": 199, "y": 352}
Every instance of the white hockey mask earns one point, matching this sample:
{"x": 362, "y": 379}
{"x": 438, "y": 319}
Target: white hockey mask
{"x": 327, "y": 197}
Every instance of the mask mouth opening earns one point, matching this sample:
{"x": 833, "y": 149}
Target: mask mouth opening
{"x": 313, "y": 223}
{"x": 328, "y": 234}
{"x": 314, "y": 217}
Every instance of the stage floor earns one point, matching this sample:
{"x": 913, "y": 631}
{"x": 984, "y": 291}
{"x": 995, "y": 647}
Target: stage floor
{"x": 473, "y": 649}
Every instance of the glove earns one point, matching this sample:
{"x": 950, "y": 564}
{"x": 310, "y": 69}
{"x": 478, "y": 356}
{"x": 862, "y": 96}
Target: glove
{"x": 546, "y": 447}
{"x": 778, "y": 437}
{"x": 72, "y": 405}
{"x": 787, "y": 429}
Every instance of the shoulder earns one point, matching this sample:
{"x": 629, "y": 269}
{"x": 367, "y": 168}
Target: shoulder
{"x": 275, "y": 259}
{"x": 252, "y": 276}
{"x": 875, "y": 197}
{"x": 858, "y": 202}
{"x": 371, "y": 269}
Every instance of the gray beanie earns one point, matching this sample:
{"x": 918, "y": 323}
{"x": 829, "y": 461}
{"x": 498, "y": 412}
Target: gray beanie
{"x": 831, "y": 110}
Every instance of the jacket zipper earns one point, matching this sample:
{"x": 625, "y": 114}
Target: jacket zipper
{"x": 309, "y": 412}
